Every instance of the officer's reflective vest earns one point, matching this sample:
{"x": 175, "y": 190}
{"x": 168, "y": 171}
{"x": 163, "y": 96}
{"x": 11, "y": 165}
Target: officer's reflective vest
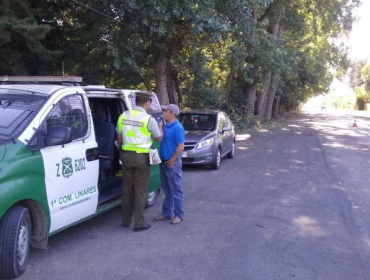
{"x": 133, "y": 127}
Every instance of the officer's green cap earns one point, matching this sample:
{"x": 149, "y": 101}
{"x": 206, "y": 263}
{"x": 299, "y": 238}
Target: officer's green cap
{"x": 144, "y": 94}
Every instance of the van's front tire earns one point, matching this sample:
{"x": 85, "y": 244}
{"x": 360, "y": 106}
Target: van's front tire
{"x": 151, "y": 198}
{"x": 15, "y": 242}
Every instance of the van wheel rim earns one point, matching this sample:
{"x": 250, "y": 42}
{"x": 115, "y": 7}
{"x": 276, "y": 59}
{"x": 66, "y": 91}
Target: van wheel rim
{"x": 150, "y": 196}
{"x": 23, "y": 243}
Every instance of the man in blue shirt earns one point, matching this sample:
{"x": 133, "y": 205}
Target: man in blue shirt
{"x": 171, "y": 149}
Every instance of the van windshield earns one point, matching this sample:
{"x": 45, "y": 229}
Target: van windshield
{"x": 17, "y": 110}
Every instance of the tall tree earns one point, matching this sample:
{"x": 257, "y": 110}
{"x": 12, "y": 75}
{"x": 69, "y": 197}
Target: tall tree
{"x": 192, "y": 53}
{"x": 156, "y": 33}
{"x": 355, "y": 73}
{"x": 21, "y": 50}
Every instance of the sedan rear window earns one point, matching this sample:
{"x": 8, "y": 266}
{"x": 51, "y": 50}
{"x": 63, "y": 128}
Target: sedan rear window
{"x": 198, "y": 121}
{"x": 17, "y": 109}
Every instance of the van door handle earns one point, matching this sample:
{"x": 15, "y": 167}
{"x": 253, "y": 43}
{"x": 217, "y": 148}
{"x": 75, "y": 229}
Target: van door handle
{"x": 92, "y": 154}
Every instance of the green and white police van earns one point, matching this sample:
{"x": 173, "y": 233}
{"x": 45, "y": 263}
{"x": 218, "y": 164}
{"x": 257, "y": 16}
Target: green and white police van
{"x": 58, "y": 162}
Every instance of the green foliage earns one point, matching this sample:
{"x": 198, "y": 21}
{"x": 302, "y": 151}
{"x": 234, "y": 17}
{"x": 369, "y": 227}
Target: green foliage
{"x": 204, "y": 42}
{"x": 21, "y": 49}
{"x": 355, "y": 73}
{"x": 365, "y": 77}
{"x": 150, "y": 29}
{"x": 246, "y": 123}
{"x": 235, "y": 106}
{"x": 204, "y": 98}
{"x": 317, "y": 23}
{"x": 360, "y": 82}
{"x": 362, "y": 97}
{"x": 201, "y": 90}
{"x": 83, "y": 37}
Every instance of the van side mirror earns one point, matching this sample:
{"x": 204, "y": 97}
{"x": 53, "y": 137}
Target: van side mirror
{"x": 58, "y": 135}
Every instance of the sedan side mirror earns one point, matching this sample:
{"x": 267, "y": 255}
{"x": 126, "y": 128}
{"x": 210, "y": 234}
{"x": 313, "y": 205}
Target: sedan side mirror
{"x": 225, "y": 128}
{"x": 58, "y": 135}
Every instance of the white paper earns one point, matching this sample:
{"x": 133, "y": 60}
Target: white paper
{"x": 154, "y": 157}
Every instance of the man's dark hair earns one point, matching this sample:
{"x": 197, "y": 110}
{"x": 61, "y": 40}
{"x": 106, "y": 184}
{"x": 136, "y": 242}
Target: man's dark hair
{"x": 140, "y": 100}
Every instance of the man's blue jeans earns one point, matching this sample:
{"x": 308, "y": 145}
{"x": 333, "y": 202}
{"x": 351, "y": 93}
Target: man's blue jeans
{"x": 171, "y": 178}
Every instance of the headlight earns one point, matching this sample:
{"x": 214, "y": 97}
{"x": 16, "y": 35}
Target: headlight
{"x": 205, "y": 143}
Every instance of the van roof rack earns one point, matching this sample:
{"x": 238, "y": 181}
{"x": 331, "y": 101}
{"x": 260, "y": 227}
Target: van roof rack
{"x": 101, "y": 89}
{"x": 41, "y": 79}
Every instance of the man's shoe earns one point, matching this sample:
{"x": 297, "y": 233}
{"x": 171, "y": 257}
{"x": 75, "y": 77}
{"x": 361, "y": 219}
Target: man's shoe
{"x": 142, "y": 229}
{"x": 126, "y": 226}
{"x": 176, "y": 220}
{"x": 161, "y": 218}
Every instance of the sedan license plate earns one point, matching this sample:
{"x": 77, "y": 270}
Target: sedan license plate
{"x": 184, "y": 154}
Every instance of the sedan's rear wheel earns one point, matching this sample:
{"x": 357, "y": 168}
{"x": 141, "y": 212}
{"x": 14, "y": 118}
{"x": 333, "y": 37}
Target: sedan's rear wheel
{"x": 15, "y": 239}
{"x": 216, "y": 164}
{"x": 231, "y": 154}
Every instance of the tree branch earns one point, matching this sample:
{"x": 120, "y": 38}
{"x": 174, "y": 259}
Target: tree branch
{"x": 263, "y": 17}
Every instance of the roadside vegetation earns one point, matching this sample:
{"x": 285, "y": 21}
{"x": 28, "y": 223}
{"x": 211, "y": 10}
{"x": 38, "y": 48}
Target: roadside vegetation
{"x": 354, "y": 94}
{"x": 360, "y": 84}
{"x": 252, "y": 124}
{"x": 252, "y": 58}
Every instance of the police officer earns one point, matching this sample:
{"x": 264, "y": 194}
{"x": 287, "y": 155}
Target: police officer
{"x": 134, "y": 130}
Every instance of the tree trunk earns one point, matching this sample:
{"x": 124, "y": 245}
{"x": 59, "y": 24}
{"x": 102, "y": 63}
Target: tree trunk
{"x": 171, "y": 89}
{"x": 262, "y": 107}
{"x": 175, "y": 78}
{"x": 271, "y": 96}
{"x": 160, "y": 76}
{"x": 274, "y": 29}
{"x": 262, "y": 102}
{"x": 229, "y": 80}
{"x": 250, "y": 93}
{"x": 250, "y": 90}
{"x": 276, "y": 107}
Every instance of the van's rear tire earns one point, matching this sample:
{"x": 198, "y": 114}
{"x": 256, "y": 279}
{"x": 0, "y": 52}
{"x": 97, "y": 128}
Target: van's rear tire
{"x": 15, "y": 242}
{"x": 151, "y": 198}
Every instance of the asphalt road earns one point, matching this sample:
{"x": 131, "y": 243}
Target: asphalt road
{"x": 293, "y": 204}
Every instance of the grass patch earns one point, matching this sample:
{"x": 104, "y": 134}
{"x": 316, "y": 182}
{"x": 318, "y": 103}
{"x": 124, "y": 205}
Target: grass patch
{"x": 253, "y": 124}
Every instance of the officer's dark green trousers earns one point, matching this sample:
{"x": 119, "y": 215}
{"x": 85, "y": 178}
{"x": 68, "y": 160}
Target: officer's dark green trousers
{"x": 136, "y": 176}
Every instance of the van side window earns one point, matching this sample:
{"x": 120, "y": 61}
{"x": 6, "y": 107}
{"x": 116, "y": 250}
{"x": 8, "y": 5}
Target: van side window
{"x": 70, "y": 112}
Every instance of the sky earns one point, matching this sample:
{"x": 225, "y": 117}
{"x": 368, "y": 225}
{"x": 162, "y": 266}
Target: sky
{"x": 359, "y": 39}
